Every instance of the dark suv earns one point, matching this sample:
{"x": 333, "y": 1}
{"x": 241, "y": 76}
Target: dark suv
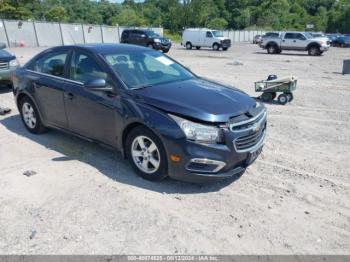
{"x": 146, "y": 38}
{"x": 8, "y": 64}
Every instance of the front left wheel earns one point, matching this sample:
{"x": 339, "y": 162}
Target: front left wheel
{"x": 146, "y": 154}
{"x": 30, "y": 116}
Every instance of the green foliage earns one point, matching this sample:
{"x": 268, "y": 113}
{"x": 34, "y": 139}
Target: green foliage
{"x": 175, "y": 15}
{"x": 175, "y": 37}
{"x": 218, "y": 23}
{"x": 56, "y": 14}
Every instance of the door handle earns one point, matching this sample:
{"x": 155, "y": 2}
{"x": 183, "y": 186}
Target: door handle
{"x": 294, "y": 41}
{"x": 283, "y": 40}
{"x": 69, "y": 96}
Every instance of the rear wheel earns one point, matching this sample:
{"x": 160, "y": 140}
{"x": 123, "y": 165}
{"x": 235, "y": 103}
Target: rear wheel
{"x": 188, "y": 45}
{"x": 272, "y": 49}
{"x": 216, "y": 47}
{"x": 30, "y": 116}
{"x": 282, "y": 99}
{"x": 146, "y": 154}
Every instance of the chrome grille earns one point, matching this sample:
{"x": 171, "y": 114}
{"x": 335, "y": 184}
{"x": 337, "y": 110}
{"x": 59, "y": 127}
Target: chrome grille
{"x": 252, "y": 131}
{"x": 249, "y": 141}
{"x": 226, "y": 41}
{"x": 4, "y": 65}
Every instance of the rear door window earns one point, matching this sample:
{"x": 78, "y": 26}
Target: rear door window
{"x": 289, "y": 36}
{"x": 51, "y": 64}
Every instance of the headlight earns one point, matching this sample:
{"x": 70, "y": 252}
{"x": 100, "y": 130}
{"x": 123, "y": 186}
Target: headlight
{"x": 157, "y": 40}
{"x": 14, "y": 63}
{"x": 198, "y": 132}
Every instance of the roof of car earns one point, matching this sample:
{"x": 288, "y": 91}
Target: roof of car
{"x": 107, "y": 48}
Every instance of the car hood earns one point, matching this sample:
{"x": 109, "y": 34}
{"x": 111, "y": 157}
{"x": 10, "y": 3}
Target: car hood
{"x": 6, "y": 56}
{"x": 319, "y": 39}
{"x": 197, "y": 98}
{"x": 223, "y": 38}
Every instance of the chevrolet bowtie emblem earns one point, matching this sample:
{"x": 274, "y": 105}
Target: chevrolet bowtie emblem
{"x": 256, "y": 127}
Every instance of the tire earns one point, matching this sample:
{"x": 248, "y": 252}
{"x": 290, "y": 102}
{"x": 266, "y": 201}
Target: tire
{"x": 165, "y": 51}
{"x": 290, "y": 97}
{"x": 282, "y": 99}
{"x": 225, "y": 48}
{"x": 198, "y": 47}
{"x": 216, "y": 47}
{"x": 267, "y": 97}
{"x": 188, "y": 46}
{"x": 314, "y": 51}
{"x": 272, "y": 49}
{"x": 30, "y": 116}
{"x": 150, "y": 45}
{"x": 138, "y": 144}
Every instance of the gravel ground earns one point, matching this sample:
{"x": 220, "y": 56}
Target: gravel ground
{"x": 85, "y": 199}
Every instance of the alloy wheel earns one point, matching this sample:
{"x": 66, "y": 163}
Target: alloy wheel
{"x": 145, "y": 154}
{"x": 29, "y": 115}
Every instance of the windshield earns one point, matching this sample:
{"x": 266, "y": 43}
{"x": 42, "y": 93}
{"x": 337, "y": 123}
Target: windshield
{"x": 152, "y": 34}
{"x": 146, "y": 68}
{"x": 218, "y": 34}
{"x": 308, "y": 35}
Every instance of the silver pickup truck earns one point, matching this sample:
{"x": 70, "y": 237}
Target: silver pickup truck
{"x": 297, "y": 41}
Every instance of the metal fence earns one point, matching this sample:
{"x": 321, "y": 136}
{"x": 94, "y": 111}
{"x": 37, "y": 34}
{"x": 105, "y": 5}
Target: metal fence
{"x": 243, "y": 36}
{"x": 35, "y": 33}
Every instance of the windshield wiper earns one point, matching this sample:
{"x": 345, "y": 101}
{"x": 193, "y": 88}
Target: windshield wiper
{"x": 141, "y": 87}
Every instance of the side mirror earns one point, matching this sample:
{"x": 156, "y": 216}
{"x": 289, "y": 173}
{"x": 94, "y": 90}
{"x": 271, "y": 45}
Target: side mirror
{"x": 98, "y": 84}
{"x": 2, "y": 45}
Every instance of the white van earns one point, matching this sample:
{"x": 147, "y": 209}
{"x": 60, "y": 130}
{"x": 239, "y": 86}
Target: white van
{"x": 203, "y": 37}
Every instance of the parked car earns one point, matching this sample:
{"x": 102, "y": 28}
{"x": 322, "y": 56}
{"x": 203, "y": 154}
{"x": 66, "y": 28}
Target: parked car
{"x": 146, "y": 38}
{"x": 257, "y": 39}
{"x": 342, "y": 41}
{"x": 297, "y": 41}
{"x": 203, "y": 37}
{"x": 317, "y": 34}
{"x": 8, "y": 64}
{"x": 161, "y": 116}
{"x": 333, "y": 38}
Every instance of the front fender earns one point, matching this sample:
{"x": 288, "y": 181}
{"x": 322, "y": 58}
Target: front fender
{"x": 153, "y": 118}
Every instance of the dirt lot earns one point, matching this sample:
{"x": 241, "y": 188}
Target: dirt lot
{"x": 85, "y": 199}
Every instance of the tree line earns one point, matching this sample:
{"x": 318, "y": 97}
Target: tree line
{"x": 325, "y": 15}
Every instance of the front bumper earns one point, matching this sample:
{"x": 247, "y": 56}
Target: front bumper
{"x": 225, "y": 44}
{"x": 6, "y": 74}
{"x": 162, "y": 46}
{"x": 223, "y": 160}
{"x": 324, "y": 48}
